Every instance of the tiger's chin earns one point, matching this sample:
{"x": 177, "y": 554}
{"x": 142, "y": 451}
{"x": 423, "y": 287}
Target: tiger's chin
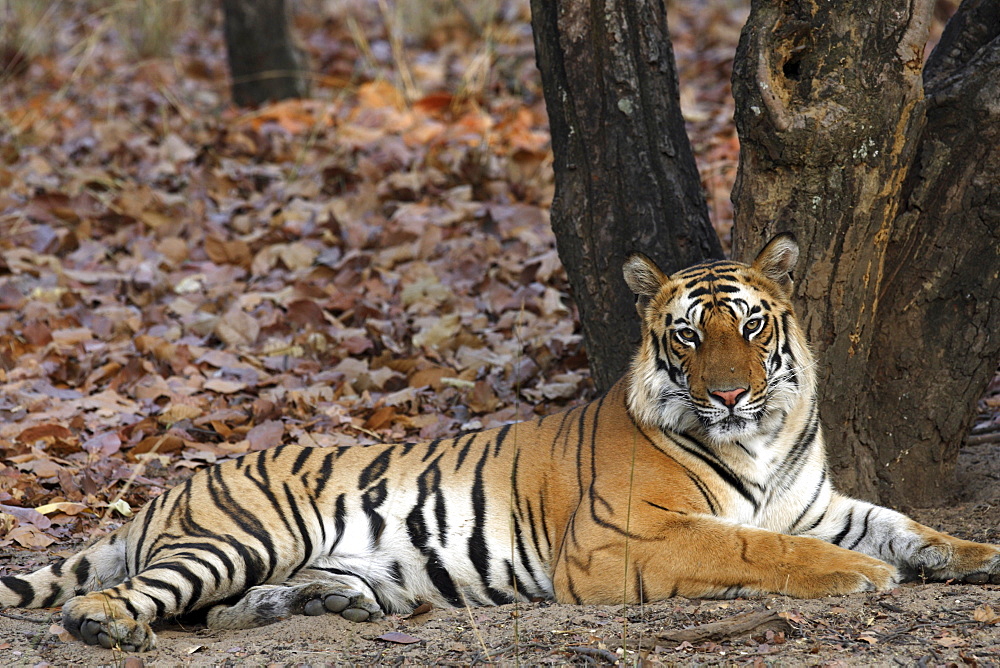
{"x": 730, "y": 429}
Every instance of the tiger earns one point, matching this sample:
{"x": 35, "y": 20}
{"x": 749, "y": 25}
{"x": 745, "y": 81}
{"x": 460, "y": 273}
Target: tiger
{"x": 700, "y": 473}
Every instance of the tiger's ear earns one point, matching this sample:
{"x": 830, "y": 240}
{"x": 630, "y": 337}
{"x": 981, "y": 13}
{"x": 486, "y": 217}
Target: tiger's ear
{"x": 644, "y": 278}
{"x": 778, "y": 259}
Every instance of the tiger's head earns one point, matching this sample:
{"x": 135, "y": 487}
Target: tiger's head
{"x": 722, "y": 355}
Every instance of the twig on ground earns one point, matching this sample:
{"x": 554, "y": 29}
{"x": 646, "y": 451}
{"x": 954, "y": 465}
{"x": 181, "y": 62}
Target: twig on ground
{"x": 22, "y": 618}
{"x": 738, "y": 625}
{"x": 594, "y": 652}
{"x": 982, "y": 439}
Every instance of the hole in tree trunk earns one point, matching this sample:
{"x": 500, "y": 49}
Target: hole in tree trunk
{"x": 791, "y": 68}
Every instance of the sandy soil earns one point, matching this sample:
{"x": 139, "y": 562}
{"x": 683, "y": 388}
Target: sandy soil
{"x": 916, "y": 624}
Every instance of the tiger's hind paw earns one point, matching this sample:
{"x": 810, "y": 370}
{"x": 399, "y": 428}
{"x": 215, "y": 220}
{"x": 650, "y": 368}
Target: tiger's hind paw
{"x": 106, "y": 626}
{"x": 266, "y": 604}
{"x": 351, "y": 605}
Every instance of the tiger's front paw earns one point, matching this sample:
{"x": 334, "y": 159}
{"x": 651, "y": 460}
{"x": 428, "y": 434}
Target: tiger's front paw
{"x": 857, "y": 575}
{"x": 96, "y": 620}
{"x": 947, "y": 558}
{"x": 826, "y": 570}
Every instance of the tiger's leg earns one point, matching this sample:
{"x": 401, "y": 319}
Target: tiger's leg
{"x": 917, "y": 550}
{"x": 312, "y": 591}
{"x": 180, "y": 581}
{"x": 99, "y": 565}
{"x": 666, "y": 553}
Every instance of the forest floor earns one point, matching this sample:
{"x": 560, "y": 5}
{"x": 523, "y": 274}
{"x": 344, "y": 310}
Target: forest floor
{"x": 183, "y": 282}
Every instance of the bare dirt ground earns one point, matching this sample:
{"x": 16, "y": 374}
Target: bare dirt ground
{"x": 916, "y": 624}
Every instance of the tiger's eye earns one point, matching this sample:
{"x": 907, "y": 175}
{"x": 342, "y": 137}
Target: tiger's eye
{"x": 753, "y": 326}
{"x": 687, "y": 335}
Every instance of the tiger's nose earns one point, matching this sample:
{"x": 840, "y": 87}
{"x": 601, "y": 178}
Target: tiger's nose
{"x": 728, "y": 397}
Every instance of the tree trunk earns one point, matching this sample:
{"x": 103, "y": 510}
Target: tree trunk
{"x": 263, "y": 61}
{"x": 895, "y": 199}
{"x": 625, "y": 176}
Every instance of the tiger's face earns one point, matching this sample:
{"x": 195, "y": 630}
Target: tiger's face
{"x": 721, "y": 354}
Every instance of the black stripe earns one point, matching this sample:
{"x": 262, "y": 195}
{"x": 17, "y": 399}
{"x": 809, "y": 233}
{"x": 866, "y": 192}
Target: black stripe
{"x": 500, "y": 438}
{"x": 376, "y": 469}
{"x": 784, "y": 477}
{"x": 478, "y": 551}
{"x": 465, "y": 450}
{"x": 191, "y": 557}
{"x": 372, "y": 499}
{"x": 300, "y": 461}
{"x": 817, "y": 522}
{"x": 177, "y": 496}
{"x": 55, "y": 593}
{"x": 416, "y": 529}
{"x": 339, "y": 521}
{"x": 20, "y": 587}
{"x": 534, "y": 529}
{"x": 706, "y": 493}
{"x": 522, "y": 555}
{"x": 82, "y": 571}
{"x": 808, "y": 507}
{"x": 664, "y": 508}
{"x": 325, "y": 471}
{"x": 147, "y": 583}
{"x": 846, "y": 530}
{"x": 304, "y": 538}
{"x": 253, "y": 565}
{"x": 661, "y": 365}
{"x": 864, "y": 530}
{"x": 266, "y": 488}
{"x": 431, "y": 447}
{"x": 197, "y": 584}
{"x": 513, "y": 581}
{"x": 721, "y": 470}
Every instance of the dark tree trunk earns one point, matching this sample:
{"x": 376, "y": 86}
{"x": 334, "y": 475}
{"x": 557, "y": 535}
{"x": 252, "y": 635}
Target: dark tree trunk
{"x": 263, "y": 60}
{"x": 625, "y": 176}
{"x": 894, "y": 194}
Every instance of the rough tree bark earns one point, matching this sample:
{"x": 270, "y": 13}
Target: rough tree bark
{"x": 263, "y": 60}
{"x": 890, "y": 177}
{"x": 625, "y": 175}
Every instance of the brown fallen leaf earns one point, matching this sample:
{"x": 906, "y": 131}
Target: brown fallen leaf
{"x": 68, "y": 507}
{"x": 382, "y": 417}
{"x": 223, "y": 386}
{"x": 237, "y": 328}
{"x": 430, "y": 377}
{"x": 28, "y": 536}
{"x": 103, "y": 445}
{"x": 421, "y": 609}
{"x": 177, "y": 412}
{"x": 221, "y": 251}
{"x": 48, "y": 432}
{"x": 265, "y": 435}
{"x": 163, "y": 443}
{"x": 985, "y": 613}
{"x": 63, "y": 634}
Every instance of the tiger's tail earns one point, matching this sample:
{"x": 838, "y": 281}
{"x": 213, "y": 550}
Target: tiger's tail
{"x": 98, "y": 566}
